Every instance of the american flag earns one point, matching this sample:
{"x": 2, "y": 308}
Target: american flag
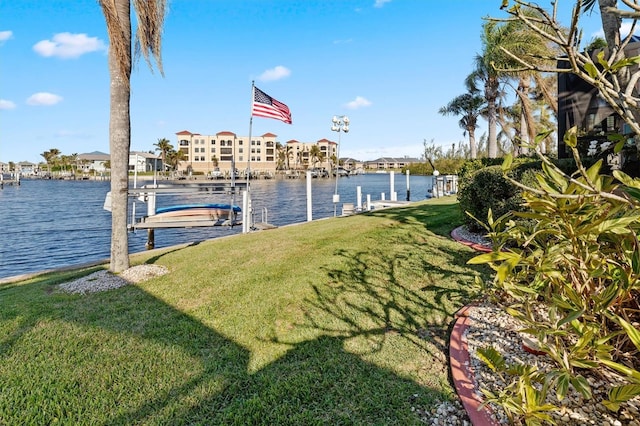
{"x": 265, "y": 106}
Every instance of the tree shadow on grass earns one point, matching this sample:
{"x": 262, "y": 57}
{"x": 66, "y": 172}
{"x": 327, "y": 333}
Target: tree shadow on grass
{"x": 414, "y": 290}
{"x": 126, "y": 357}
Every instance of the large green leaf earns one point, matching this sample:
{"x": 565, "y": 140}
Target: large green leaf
{"x": 632, "y": 332}
{"x": 591, "y": 70}
{"x": 581, "y": 385}
{"x": 494, "y": 257}
{"x": 618, "y": 225}
{"x": 632, "y": 374}
{"x": 492, "y": 358}
{"x": 620, "y": 394}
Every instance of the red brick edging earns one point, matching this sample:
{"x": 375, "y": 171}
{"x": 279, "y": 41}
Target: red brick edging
{"x": 462, "y": 374}
{"x": 456, "y": 236}
{"x": 460, "y": 361}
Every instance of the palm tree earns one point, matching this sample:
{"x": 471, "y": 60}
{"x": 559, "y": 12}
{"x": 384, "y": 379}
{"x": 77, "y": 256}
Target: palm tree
{"x": 288, "y": 155}
{"x": 50, "y": 157}
{"x": 117, "y": 13}
{"x": 468, "y": 106}
{"x": 525, "y": 45}
{"x": 485, "y": 74}
{"x": 163, "y": 145}
{"x": 314, "y": 153}
{"x": 174, "y": 158}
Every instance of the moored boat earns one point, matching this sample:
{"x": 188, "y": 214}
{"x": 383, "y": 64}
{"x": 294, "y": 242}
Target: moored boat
{"x": 187, "y": 212}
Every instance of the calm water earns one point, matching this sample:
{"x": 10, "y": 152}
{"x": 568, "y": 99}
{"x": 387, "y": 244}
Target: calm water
{"x": 49, "y": 224}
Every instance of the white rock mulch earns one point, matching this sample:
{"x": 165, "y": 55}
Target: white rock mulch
{"x": 105, "y": 280}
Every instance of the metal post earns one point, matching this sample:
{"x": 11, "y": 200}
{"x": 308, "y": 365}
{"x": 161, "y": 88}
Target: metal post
{"x": 392, "y": 184}
{"x": 309, "y": 199}
{"x": 408, "y": 189}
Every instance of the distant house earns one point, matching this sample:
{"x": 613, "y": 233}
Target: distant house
{"x": 138, "y": 161}
{"x": 4, "y": 167}
{"x": 26, "y": 168}
{"x": 144, "y": 162}
{"x": 391, "y": 163}
{"x": 351, "y": 163}
{"x": 95, "y": 161}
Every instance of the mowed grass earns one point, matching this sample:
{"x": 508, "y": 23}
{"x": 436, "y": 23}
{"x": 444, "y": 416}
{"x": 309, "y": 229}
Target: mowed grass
{"x": 337, "y": 321}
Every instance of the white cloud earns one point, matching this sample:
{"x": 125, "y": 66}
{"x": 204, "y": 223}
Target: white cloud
{"x": 358, "y": 102}
{"x": 5, "y": 35}
{"x": 67, "y": 45}
{"x": 5, "y": 104}
{"x": 43, "y": 98}
{"x": 275, "y": 74}
{"x": 69, "y": 134}
{"x": 380, "y": 3}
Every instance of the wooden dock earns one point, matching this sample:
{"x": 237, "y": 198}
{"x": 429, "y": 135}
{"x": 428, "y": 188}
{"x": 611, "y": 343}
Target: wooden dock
{"x": 4, "y": 182}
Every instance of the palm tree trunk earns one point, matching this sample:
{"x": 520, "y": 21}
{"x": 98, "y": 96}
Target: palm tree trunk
{"x": 472, "y": 143}
{"x": 492, "y": 122}
{"x": 119, "y": 142}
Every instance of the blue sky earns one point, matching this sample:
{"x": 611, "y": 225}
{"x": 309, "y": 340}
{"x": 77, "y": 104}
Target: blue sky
{"x": 387, "y": 64}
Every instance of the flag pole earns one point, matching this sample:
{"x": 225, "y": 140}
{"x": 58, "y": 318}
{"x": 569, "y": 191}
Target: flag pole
{"x": 250, "y": 128}
{"x": 246, "y": 198}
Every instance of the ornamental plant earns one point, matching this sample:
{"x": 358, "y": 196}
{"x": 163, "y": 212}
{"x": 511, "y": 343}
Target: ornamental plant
{"x": 571, "y": 274}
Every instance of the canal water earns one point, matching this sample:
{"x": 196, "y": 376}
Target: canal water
{"x": 49, "y": 224}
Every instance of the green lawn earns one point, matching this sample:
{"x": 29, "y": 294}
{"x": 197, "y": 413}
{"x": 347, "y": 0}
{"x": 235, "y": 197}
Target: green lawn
{"x": 337, "y": 321}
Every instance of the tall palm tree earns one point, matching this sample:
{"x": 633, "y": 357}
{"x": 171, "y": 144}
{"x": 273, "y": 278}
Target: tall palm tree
{"x": 163, "y": 145}
{"x": 468, "y": 106}
{"x": 484, "y": 74}
{"x": 526, "y": 45}
{"x": 150, "y": 16}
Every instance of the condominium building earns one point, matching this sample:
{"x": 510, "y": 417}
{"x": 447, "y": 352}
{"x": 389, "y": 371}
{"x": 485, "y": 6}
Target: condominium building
{"x": 303, "y": 155}
{"x": 204, "y": 153}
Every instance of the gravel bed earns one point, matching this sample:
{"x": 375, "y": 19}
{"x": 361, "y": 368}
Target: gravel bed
{"x": 491, "y": 326}
{"x": 105, "y": 280}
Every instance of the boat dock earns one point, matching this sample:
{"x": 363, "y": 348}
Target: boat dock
{"x": 13, "y": 180}
{"x": 205, "y": 214}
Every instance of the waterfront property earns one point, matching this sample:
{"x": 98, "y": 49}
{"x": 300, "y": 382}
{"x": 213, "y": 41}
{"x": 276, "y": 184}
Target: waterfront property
{"x": 262, "y": 154}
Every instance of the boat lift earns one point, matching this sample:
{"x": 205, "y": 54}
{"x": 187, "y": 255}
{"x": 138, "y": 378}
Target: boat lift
{"x": 149, "y": 193}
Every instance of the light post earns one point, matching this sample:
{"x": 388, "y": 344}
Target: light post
{"x": 434, "y": 184}
{"x": 340, "y": 123}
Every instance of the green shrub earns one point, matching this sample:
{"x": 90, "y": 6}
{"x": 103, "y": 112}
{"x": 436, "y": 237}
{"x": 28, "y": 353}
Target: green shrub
{"x": 574, "y": 276}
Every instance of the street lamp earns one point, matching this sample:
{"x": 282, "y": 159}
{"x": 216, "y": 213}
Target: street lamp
{"x": 435, "y": 181}
{"x": 339, "y": 123}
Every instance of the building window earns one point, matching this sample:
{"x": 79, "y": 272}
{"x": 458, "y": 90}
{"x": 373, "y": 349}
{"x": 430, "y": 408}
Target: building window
{"x": 213, "y": 141}
{"x": 213, "y": 150}
{"x": 240, "y": 150}
{"x": 202, "y": 158}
